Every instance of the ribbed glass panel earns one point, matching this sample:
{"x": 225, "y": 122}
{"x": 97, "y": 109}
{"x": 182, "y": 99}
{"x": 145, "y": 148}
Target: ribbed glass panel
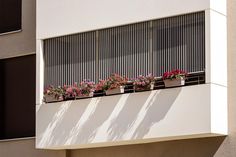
{"x": 153, "y": 46}
{"x": 179, "y": 43}
{"x": 70, "y": 59}
{"x": 124, "y": 50}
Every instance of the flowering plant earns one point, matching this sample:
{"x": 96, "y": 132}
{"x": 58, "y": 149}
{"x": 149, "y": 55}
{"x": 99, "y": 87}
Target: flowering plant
{"x": 56, "y": 92}
{"x": 71, "y": 91}
{"x": 112, "y": 82}
{"x": 100, "y": 85}
{"x": 86, "y": 87}
{"x": 143, "y": 82}
{"x": 174, "y": 74}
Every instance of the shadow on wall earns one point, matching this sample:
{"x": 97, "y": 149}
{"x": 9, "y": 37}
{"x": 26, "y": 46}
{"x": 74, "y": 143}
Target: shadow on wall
{"x": 156, "y": 111}
{"x": 104, "y": 119}
{"x": 47, "y": 133}
{"x": 146, "y": 111}
{"x": 87, "y": 130}
{"x": 65, "y": 122}
{"x": 202, "y": 147}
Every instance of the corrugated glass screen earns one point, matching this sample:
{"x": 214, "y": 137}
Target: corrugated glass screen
{"x": 147, "y": 47}
{"x": 124, "y": 50}
{"x": 70, "y": 59}
{"x": 179, "y": 43}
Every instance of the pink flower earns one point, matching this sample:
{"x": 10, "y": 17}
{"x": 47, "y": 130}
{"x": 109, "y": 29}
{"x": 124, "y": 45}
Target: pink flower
{"x": 174, "y": 74}
{"x": 143, "y": 82}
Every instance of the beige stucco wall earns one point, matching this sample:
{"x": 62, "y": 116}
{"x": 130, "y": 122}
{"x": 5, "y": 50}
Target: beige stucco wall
{"x": 25, "y": 148}
{"x": 206, "y": 147}
{"x": 23, "y": 42}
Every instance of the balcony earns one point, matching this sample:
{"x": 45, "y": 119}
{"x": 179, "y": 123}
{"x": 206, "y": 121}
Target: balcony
{"x": 191, "y": 42}
{"x": 158, "y": 115}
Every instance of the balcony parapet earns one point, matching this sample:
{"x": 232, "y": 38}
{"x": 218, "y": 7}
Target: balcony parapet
{"x": 158, "y": 115}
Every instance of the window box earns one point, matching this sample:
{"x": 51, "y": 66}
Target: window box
{"x": 174, "y": 82}
{"x": 115, "y": 91}
{"x": 85, "y": 96}
{"x": 149, "y": 87}
{"x": 52, "y": 98}
{"x": 174, "y": 78}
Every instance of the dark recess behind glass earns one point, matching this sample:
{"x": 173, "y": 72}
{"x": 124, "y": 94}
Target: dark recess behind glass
{"x": 10, "y": 15}
{"x": 17, "y": 97}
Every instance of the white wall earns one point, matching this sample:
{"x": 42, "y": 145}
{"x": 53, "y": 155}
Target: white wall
{"x": 216, "y": 48}
{"x": 60, "y": 17}
{"x": 219, "y": 6}
{"x": 159, "y": 115}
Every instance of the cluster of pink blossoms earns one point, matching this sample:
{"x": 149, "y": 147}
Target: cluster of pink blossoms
{"x": 87, "y": 87}
{"x": 143, "y": 82}
{"x": 174, "y": 74}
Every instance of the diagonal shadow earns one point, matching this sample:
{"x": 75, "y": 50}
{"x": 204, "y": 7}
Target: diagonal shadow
{"x": 88, "y": 131}
{"x": 120, "y": 124}
{"x": 79, "y": 113}
{"x": 47, "y": 136}
{"x": 156, "y": 111}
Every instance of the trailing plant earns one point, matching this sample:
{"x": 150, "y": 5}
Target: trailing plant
{"x": 143, "y": 82}
{"x": 112, "y": 82}
{"x": 56, "y": 92}
{"x": 71, "y": 91}
{"x": 100, "y": 85}
{"x": 86, "y": 87}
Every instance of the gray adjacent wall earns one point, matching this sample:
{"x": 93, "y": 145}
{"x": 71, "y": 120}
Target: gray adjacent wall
{"x": 25, "y": 148}
{"x": 21, "y": 43}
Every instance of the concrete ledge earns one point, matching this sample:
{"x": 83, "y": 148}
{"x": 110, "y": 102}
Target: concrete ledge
{"x": 159, "y": 115}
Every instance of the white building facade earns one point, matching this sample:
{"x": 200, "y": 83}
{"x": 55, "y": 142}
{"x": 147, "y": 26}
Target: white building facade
{"x": 194, "y": 111}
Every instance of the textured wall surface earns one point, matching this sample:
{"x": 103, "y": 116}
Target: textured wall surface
{"x": 21, "y": 43}
{"x": 26, "y": 148}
